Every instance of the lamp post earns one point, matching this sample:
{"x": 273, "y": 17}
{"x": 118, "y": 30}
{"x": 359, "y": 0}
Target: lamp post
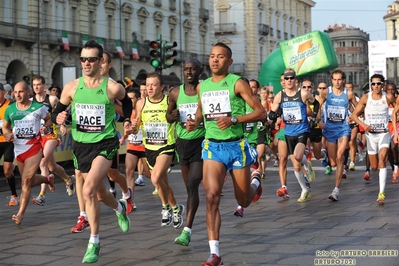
{"x": 395, "y": 69}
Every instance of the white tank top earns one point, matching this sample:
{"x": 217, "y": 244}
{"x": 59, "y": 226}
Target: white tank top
{"x": 376, "y": 114}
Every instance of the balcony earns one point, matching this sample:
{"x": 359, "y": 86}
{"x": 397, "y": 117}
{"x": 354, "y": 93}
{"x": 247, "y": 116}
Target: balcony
{"x": 263, "y": 29}
{"x": 158, "y": 3}
{"x": 12, "y": 32}
{"x": 203, "y": 13}
{"x": 285, "y": 35}
{"x": 278, "y": 34}
{"x": 225, "y": 28}
{"x": 186, "y": 8}
{"x": 237, "y": 68}
{"x": 172, "y": 5}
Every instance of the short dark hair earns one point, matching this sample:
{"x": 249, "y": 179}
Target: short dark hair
{"x": 143, "y": 83}
{"x": 135, "y": 91}
{"x": 378, "y": 76}
{"x": 338, "y": 71}
{"x": 109, "y": 56}
{"x": 56, "y": 87}
{"x": 41, "y": 78}
{"x": 257, "y": 83}
{"x": 156, "y": 75}
{"x": 229, "y": 52}
{"x": 93, "y": 44}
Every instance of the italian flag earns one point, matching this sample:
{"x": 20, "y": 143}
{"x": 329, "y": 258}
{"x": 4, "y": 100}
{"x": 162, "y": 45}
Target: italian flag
{"x": 65, "y": 40}
{"x": 119, "y": 49}
{"x": 85, "y": 39}
{"x": 135, "y": 52}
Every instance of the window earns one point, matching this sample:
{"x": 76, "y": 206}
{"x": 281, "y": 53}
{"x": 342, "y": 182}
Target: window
{"x": 222, "y": 16}
{"x": 110, "y": 22}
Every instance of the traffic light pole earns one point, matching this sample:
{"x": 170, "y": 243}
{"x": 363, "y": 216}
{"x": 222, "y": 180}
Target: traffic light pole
{"x": 161, "y": 54}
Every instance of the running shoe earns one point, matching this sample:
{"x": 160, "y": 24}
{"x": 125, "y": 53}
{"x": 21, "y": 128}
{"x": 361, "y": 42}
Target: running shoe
{"x": 305, "y": 194}
{"x": 361, "y": 157}
{"x": 328, "y": 170}
{"x": 178, "y": 216}
{"x": 263, "y": 176}
{"x": 276, "y": 163}
{"x": 366, "y": 176}
{"x": 167, "y": 216}
{"x": 70, "y": 186}
{"x": 352, "y": 166}
{"x": 239, "y": 212}
{"x": 310, "y": 155}
{"x": 311, "y": 175}
{"x": 184, "y": 239}
{"x": 257, "y": 175}
{"x": 123, "y": 219}
{"x": 381, "y": 198}
{"x": 92, "y": 253}
{"x": 334, "y": 195}
{"x": 255, "y": 165}
{"x": 129, "y": 207}
{"x": 267, "y": 157}
{"x": 155, "y": 192}
{"x": 140, "y": 182}
{"x": 395, "y": 177}
{"x": 81, "y": 225}
{"x": 213, "y": 260}
{"x": 324, "y": 162}
{"x": 39, "y": 200}
{"x": 344, "y": 174}
{"x": 14, "y": 201}
{"x": 283, "y": 193}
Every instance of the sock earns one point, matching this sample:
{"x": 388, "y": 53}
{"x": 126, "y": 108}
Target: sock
{"x": 176, "y": 208}
{"x": 305, "y": 162}
{"x": 112, "y": 190}
{"x": 94, "y": 239}
{"x": 256, "y": 182}
{"x": 42, "y": 193}
{"x": 301, "y": 180}
{"x": 141, "y": 177}
{"x": 67, "y": 179}
{"x": 239, "y": 206}
{"x": 11, "y": 183}
{"x": 187, "y": 229}
{"x": 395, "y": 167}
{"x": 84, "y": 215}
{"x": 284, "y": 186}
{"x": 214, "y": 246}
{"x": 383, "y": 178}
{"x": 336, "y": 189}
{"x": 119, "y": 209}
{"x": 166, "y": 206}
{"x": 126, "y": 195}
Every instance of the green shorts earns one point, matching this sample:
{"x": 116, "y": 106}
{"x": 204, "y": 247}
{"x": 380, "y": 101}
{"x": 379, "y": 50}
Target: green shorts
{"x": 280, "y": 135}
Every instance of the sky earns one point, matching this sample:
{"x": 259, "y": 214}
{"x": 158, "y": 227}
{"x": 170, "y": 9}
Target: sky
{"x": 364, "y": 14}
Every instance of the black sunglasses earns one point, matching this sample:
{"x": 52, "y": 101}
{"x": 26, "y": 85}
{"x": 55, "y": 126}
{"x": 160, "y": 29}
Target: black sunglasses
{"x": 90, "y": 59}
{"x": 306, "y": 87}
{"x": 377, "y": 83}
{"x": 289, "y": 78}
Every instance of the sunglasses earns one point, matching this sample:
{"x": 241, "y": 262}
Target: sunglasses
{"x": 289, "y": 78}
{"x": 306, "y": 87}
{"x": 90, "y": 59}
{"x": 376, "y": 83}
{"x": 322, "y": 88}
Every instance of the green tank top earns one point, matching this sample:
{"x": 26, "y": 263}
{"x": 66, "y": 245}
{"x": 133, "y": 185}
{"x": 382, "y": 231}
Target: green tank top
{"x": 218, "y": 99}
{"x": 187, "y": 106}
{"x": 157, "y": 132}
{"x": 251, "y": 129}
{"x": 93, "y": 115}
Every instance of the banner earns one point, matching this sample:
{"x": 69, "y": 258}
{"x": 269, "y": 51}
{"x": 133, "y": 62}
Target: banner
{"x": 379, "y": 51}
{"x": 65, "y": 40}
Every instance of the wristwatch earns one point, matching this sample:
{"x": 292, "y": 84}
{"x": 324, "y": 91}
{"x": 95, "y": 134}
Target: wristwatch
{"x": 234, "y": 120}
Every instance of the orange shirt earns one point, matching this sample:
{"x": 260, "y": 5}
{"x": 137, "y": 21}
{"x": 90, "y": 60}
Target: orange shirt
{"x": 3, "y": 108}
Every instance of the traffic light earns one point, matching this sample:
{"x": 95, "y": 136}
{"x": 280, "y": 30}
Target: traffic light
{"x": 155, "y": 54}
{"x": 167, "y": 54}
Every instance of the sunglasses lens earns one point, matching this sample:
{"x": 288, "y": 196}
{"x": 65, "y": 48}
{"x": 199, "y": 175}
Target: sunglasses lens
{"x": 90, "y": 59}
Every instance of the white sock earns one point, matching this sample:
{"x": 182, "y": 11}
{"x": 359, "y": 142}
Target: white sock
{"x": 187, "y": 229}
{"x": 214, "y": 246}
{"x": 383, "y": 178}
{"x": 84, "y": 215}
{"x": 94, "y": 239}
{"x": 126, "y": 195}
{"x": 395, "y": 168}
{"x": 141, "y": 177}
{"x": 119, "y": 208}
{"x": 301, "y": 180}
{"x": 305, "y": 162}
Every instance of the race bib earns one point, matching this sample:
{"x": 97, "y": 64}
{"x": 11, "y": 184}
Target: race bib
{"x": 292, "y": 115}
{"x": 24, "y": 129}
{"x": 90, "y": 118}
{"x": 216, "y": 104}
{"x": 136, "y": 139}
{"x": 156, "y": 133}
{"x": 336, "y": 114}
{"x": 378, "y": 122}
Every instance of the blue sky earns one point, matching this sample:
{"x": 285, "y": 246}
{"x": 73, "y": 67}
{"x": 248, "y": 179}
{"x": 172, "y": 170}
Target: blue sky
{"x": 364, "y": 14}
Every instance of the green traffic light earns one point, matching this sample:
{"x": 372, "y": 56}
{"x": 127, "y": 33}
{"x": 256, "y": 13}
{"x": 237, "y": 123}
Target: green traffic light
{"x": 155, "y": 63}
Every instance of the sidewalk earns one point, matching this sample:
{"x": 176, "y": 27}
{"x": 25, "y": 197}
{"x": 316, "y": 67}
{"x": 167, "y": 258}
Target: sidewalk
{"x": 272, "y": 232}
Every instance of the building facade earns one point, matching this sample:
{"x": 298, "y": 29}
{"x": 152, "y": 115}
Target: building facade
{"x": 253, "y": 29}
{"x": 44, "y": 37}
{"x": 392, "y": 26}
{"x": 351, "y": 48}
